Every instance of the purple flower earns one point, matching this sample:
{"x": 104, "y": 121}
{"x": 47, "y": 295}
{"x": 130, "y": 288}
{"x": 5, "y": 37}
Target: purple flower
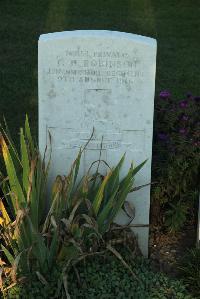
{"x": 183, "y": 131}
{"x": 1, "y": 214}
{"x": 185, "y": 117}
{"x": 162, "y": 136}
{"x": 183, "y": 104}
{"x": 165, "y": 94}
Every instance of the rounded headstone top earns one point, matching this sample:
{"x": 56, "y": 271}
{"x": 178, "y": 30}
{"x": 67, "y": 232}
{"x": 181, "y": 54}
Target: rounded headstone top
{"x": 99, "y": 34}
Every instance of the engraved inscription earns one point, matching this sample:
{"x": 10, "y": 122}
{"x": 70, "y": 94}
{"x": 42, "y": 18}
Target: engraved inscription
{"x": 110, "y": 140}
{"x": 93, "y": 145}
{"x": 86, "y": 66}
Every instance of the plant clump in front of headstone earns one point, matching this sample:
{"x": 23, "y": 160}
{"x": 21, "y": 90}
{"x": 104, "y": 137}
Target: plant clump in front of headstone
{"x": 39, "y": 236}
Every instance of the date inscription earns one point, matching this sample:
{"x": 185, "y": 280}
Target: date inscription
{"x": 86, "y": 66}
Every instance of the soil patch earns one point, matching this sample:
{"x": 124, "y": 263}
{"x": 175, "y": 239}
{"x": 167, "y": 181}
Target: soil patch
{"x": 167, "y": 250}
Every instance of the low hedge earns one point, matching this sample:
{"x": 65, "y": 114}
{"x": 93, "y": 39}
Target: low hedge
{"x": 105, "y": 277}
{"x": 109, "y": 279}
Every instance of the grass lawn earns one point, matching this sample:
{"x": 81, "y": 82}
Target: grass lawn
{"x": 175, "y": 24}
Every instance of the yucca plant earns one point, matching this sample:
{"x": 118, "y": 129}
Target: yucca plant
{"x": 24, "y": 192}
{"x": 39, "y": 234}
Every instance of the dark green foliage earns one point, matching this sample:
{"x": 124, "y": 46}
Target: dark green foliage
{"x": 105, "y": 277}
{"x": 190, "y": 268}
{"x": 34, "y": 288}
{"x": 108, "y": 279}
{"x": 177, "y": 158}
{"x": 79, "y": 221}
{"x": 176, "y": 216}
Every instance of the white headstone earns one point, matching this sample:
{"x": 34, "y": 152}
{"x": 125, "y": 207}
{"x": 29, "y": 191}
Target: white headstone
{"x": 103, "y": 80}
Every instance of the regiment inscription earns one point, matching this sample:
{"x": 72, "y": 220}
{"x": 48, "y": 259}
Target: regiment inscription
{"x": 80, "y": 65}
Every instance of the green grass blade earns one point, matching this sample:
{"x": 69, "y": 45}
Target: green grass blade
{"x": 24, "y": 161}
{"x": 13, "y": 179}
{"x": 33, "y": 196}
{"x": 125, "y": 188}
{"x": 77, "y": 165}
{"x": 137, "y": 168}
{"x": 40, "y": 187}
{"x": 39, "y": 248}
{"x": 53, "y": 249}
{"x": 15, "y": 266}
{"x": 99, "y": 196}
{"x": 103, "y": 216}
{"x": 13, "y": 149}
{"x": 28, "y": 135}
{"x": 8, "y": 255}
{"x": 113, "y": 181}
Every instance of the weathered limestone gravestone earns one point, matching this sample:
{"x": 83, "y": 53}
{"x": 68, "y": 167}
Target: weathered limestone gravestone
{"x": 103, "y": 80}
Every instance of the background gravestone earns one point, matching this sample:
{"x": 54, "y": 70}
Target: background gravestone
{"x": 103, "y": 80}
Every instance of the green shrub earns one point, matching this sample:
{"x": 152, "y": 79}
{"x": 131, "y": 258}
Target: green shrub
{"x": 79, "y": 219}
{"x": 190, "y": 268}
{"x": 104, "y": 277}
{"x": 108, "y": 279}
{"x": 176, "y": 165}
